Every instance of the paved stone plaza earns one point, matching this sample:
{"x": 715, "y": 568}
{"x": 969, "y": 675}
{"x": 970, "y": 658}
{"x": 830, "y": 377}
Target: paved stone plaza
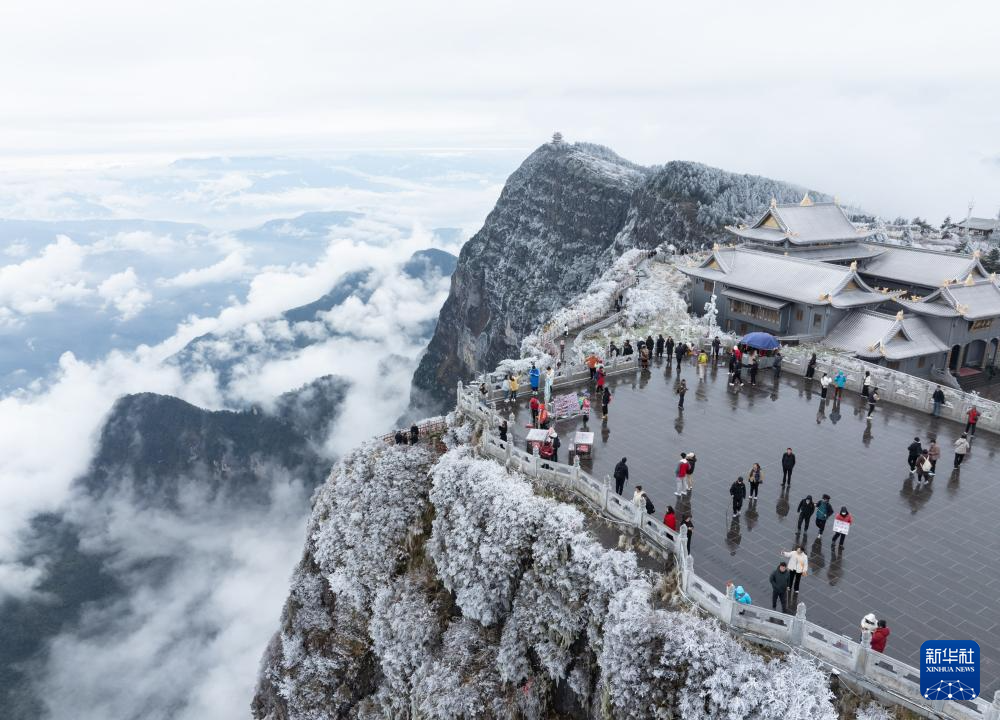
{"x": 925, "y": 559}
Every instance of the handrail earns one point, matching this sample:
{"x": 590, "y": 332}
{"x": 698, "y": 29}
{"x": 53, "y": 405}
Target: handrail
{"x": 885, "y": 677}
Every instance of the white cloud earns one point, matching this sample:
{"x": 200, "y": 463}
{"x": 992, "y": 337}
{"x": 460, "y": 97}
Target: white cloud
{"x": 42, "y": 283}
{"x": 232, "y": 266}
{"x": 123, "y": 291}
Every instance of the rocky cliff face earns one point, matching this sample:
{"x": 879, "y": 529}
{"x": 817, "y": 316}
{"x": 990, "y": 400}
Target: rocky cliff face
{"x": 563, "y": 216}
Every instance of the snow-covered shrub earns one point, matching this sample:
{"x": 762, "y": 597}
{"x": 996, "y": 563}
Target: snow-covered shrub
{"x": 361, "y": 519}
{"x": 874, "y": 711}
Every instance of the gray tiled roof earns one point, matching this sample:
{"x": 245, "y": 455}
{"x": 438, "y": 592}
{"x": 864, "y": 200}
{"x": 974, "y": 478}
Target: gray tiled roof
{"x": 841, "y": 251}
{"x": 785, "y": 276}
{"x": 922, "y": 267}
{"x": 974, "y": 302}
{"x": 870, "y": 334}
{"x": 803, "y": 225}
{"x": 754, "y": 298}
{"x": 979, "y": 224}
{"x": 933, "y": 304}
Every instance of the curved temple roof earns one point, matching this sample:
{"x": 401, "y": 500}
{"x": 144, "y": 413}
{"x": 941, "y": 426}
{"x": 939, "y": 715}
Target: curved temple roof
{"x": 802, "y": 224}
{"x": 870, "y": 334}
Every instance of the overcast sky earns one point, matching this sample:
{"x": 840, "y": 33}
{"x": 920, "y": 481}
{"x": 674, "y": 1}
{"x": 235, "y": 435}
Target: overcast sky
{"x": 892, "y": 105}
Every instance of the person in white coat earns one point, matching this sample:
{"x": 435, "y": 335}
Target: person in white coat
{"x": 868, "y": 624}
{"x": 798, "y": 565}
{"x": 961, "y": 448}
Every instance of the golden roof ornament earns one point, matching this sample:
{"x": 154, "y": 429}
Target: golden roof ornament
{"x": 854, "y": 265}
{"x": 976, "y": 253}
{"x": 946, "y": 282}
{"x": 806, "y": 200}
{"x": 774, "y": 203}
{"x": 715, "y": 247}
{"x": 899, "y": 315}
{"x": 962, "y": 309}
{"x": 969, "y": 282}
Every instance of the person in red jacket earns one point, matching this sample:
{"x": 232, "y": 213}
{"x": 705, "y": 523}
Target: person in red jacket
{"x": 670, "y": 518}
{"x": 970, "y": 426}
{"x": 880, "y": 636}
{"x": 534, "y": 405}
{"x": 841, "y": 526}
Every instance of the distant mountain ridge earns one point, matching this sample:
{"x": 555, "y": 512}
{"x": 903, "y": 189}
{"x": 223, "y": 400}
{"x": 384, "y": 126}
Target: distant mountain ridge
{"x": 563, "y": 216}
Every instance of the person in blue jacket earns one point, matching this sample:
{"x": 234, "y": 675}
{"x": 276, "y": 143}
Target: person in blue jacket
{"x": 839, "y": 381}
{"x": 533, "y": 376}
{"x": 741, "y": 596}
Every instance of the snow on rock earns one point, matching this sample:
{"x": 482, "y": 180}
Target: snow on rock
{"x": 444, "y": 587}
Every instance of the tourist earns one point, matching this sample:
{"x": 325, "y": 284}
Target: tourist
{"x": 754, "y": 366}
{"x": 702, "y": 364}
{"x": 689, "y": 524}
{"x": 868, "y": 624}
{"x": 923, "y": 466}
{"x": 913, "y": 452}
{"x": 787, "y": 465}
{"x": 866, "y": 384}
{"x": 613, "y": 350}
{"x": 738, "y": 374}
{"x": 716, "y": 347}
{"x": 670, "y": 518}
{"x": 638, "y": 497}
{"x": 550, "y": 377}
{"x": 873, "y": 399}
{"x": 798, "y": 565}
{"x": 933, "y": 454}
{"x": 400, "y": 440}
{"x": 691, "y": 461}
{"x": 533, "y": 376}
{"x": 938, "y": 398}
{"x": 806, "y": 509}
{"x": 554, "y": 440}
{"x": 592, "y": 361}
{"x": 739, "y": 491}
{"x": 824, "y": 383}
{"x": 811, "y": 367}
{"x": 514, "y": 386}
{"x": 627, "y": 349}
{"x": 973, "y": 418}
{"x": 534, "y": 405}
{"x": 961, "y": 448}
{"x": 505, "y": 388}
{"x": 776, "y": 365}
{"x": 621, "y": 475}
{"x": 823, "y": 511}
{"x": 620, "y": 301}
{"x": 780, "y": 581}
{"x": 839, "y": 381}
{"x": 649, "y": 344}
{"x": 679, "y": 353}
{"x": 644, "y": 356}
{"x": 414, "y": 434}
{"x": 880, "y": 636}
{"x": 543, "y": 416}
{"x": 605, "y": 401}
{"x": 669, "y": 347}
{"x": 755, "y": 477}
{"x": 483, "y": 392}
{"x": 680, "y": 476}
{"x": 503, "y": 431}
{"x": 740, "y": 595}
{"x": 562, "y": 349}
{"x": 841, "y": 526}
{"x": 682, "y": 388}
{"x": 601, "y": 378}
{"x": 659, "y": 346}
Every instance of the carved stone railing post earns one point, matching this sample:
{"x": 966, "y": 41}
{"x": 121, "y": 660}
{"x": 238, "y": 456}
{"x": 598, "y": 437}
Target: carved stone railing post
{"x": 534, "y": 460}
{"x": 796, "y": 630}
{"x": 861, "y": 653}
{"x": 607, "y": 492}
{"x": 576, "y": 471}
{"x": 459, "y": 395}
{"x": 729, "y": 604}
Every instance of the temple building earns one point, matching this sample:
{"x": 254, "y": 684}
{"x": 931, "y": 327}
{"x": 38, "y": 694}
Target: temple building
{"x": 980, "y": 228}
{"x": 805, "y": 272}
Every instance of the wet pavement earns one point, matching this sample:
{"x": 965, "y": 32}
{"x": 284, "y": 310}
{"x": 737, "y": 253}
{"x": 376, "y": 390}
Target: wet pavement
{"x": 926, "y": 559}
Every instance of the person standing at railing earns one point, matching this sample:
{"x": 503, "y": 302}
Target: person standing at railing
{"x": 839, "y": 381}
{"x": 811, "y": 367}
{"x": 505, "y": 388}
{"x": 514, "y": 386}
{"x": 973, "y": 418}
{"x": 670, "y": 518}
{"x": 780, "y": 580}
{"x": 502, "y": 430}
{"x": 868, "y": 624}
{"x": 689, "y": 525}
{"x": 938, "y": 399}
{"x": 414, "y": 434}
{"x": 866, "y": 384}
{"x": 621, "y": 475}
{"x": 533, "y": 376}
{"x": 880, "y": 636}
{"x": 669, "y": 347}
